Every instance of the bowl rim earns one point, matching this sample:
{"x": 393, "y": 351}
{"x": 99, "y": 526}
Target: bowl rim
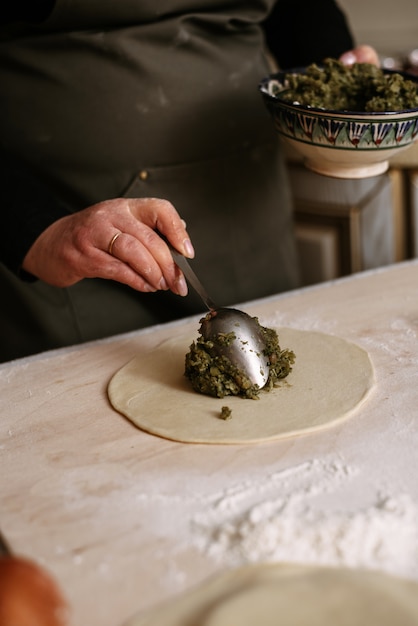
{"x": 279, "y": 77}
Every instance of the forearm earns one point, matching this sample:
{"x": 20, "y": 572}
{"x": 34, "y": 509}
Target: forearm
{"x": 28, "y": 208}
{"x": 25, "y": 10}
{"x": 300, "y": 32}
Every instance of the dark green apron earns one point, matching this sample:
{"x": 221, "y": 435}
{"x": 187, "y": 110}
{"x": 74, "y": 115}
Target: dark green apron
{"x": 130, "y": 98}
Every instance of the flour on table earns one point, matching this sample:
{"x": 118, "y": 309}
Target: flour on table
{"x": 288, "y": 517}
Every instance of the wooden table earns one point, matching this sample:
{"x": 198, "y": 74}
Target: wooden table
{"x": 111, "y": 511}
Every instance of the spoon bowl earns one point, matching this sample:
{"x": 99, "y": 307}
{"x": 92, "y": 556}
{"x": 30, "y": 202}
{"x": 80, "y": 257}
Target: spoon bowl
{"x": 247, "y": 349}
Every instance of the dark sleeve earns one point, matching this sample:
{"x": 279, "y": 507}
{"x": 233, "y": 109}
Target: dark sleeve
{"x": 25, "y": 10}
{"x": 27, "y": 208}
{"x": 300, "y": 32}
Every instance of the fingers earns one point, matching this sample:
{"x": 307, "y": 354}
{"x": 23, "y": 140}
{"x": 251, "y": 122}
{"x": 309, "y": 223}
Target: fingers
{"x": 116, "y": 240}
{"x": 145, "y": 266}
{"x": 145, "y": 220}
{"x": 360, "y": 54}
{"x": 160, "y": 215}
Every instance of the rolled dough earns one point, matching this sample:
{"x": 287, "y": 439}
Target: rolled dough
{"x": 292, "y": 595}
{"x": 331, "y": 377}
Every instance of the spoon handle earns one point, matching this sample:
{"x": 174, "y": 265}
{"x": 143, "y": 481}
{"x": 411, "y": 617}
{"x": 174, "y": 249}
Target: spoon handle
{"x": 183, "y": 264}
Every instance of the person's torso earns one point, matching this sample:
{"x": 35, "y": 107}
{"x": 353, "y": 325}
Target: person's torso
{"x": 101, "y": 88}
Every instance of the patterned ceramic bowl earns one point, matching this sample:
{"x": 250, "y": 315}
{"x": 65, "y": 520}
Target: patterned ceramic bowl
{"x": 342, "y": 144}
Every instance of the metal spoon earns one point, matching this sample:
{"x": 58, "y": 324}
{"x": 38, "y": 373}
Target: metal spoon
{"x": 246, "y": 352}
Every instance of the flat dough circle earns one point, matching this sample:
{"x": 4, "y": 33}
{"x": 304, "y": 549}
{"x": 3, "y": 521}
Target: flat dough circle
{"x": 330, "y": 378}
{"x": 291, "y": 595}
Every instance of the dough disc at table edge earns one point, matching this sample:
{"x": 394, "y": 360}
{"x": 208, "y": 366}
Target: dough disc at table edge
{"x": 300, "y": 594}
{"x": 331, "y": 378}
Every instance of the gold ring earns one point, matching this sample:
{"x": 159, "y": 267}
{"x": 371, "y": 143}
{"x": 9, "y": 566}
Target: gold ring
{"x": 112, "y": 242}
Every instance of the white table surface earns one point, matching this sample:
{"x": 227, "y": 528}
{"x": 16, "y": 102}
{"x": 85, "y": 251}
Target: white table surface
{"x": 124, "y": 520}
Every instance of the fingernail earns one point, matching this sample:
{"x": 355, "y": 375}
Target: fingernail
{"x": 148, "y": 288}
{"x": 163, "y": 284}
{"x": 348, "y": 58}
{"x": 181, "y": 286}
{"x": 188, "y": 246}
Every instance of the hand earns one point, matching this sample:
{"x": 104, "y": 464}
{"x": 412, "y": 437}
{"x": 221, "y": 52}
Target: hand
{"x": 360, "y": 54}
{"x": 78, "y": 246}
{"x": 29, "y": 595}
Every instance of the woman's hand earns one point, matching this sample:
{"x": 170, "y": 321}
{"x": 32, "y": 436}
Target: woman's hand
{"x": 115, "y": 240}
{"x": 360, "y": 54}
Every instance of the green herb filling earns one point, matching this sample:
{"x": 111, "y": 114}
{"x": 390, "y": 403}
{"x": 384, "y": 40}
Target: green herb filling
{"x": 359, "y": 87}
{"x": 215, "y": 375}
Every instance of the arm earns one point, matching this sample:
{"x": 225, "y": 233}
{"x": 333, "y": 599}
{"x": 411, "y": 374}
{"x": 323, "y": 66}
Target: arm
{"x": 28, "y": 207}
{"x": 43, "y": 239}
{"x": 300, "y": 32}
{"x": 25, "y": 10}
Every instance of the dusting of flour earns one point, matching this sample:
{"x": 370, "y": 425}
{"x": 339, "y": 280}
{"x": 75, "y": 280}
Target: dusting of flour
{"x": 303, "y": 515}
